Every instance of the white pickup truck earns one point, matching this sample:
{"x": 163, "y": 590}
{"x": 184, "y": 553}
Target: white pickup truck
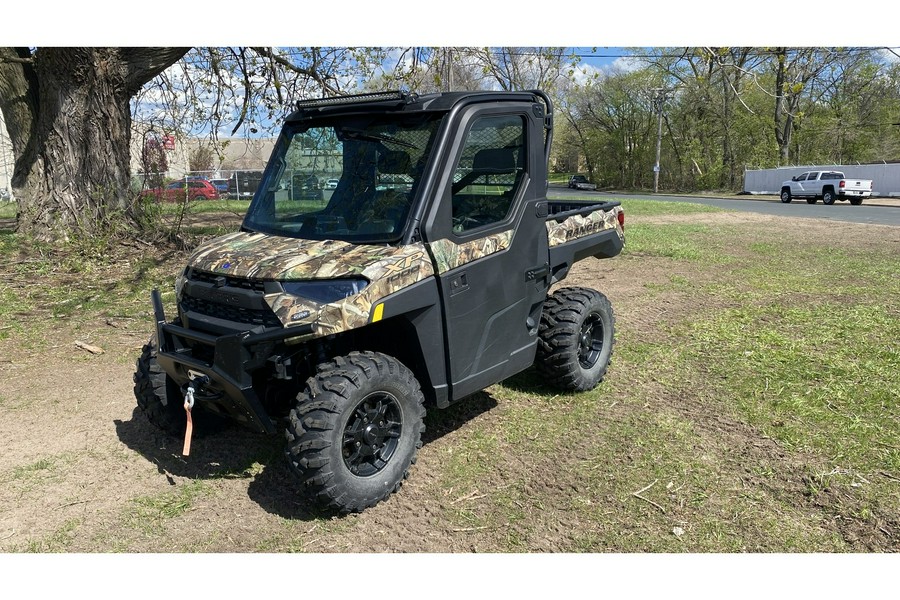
{"x": 827, "y": 185}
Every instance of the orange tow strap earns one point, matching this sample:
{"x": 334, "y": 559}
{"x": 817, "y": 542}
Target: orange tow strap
{"x": 186, "y": 451}
{"x": 188, "y": 404}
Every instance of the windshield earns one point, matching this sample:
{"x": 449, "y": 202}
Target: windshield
{"x": 348, "y": 178}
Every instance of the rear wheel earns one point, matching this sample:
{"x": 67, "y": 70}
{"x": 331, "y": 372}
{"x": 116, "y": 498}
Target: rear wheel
{"x": 786, "y": 195}
{"x": 856, "y": 201}
{"x": 811, "y": 200}
{"x": 828, "y": 197}
{"x": 355, "y": 430}
{"x": 575, "y": 340}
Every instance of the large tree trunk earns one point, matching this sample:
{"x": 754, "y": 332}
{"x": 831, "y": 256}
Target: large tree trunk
{"x": 783, "y": 120}
{"x": 69, "y": 117}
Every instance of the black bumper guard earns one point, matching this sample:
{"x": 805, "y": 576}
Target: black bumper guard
{"x": 235, "y": 356}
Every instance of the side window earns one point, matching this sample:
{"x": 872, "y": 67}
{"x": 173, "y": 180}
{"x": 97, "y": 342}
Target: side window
{"x": 802, "y": 177}
{"x": 489, "y": 172}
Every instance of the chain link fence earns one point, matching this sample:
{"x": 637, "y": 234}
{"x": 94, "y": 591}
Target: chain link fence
{"x": 197, "y": 185}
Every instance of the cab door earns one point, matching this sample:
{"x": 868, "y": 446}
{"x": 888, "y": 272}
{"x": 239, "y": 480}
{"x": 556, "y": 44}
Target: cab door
{"x": 489, "y": 245}
{"x": 812, "y": 186}
{"x": 798, "y": 185}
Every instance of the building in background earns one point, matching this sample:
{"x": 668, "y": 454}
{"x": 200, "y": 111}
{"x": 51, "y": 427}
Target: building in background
{"x": 233, "y": 165}
{"x": 175, "y": 156}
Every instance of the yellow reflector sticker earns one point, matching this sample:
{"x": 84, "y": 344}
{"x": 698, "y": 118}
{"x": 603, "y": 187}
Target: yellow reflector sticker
{"x": 377, "y": 313}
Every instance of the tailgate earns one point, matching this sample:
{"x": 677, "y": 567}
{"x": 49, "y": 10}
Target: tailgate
{"x": 858, "y": 185}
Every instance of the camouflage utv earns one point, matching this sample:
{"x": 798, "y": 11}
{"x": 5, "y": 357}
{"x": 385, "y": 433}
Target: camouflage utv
{"x": 421, "y": 278}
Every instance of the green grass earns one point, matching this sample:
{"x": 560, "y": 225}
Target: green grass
{"x": 7, "y": 210}
{"x": 151, "y": 513}
{"x": 820, "y": 378}
{"x": 648, "y": 208}
{"x": 203, "y": 206}
{"x": 43, "y": 285}
{"x": 688, "y": 242}
{"x": 763, "y": 419}
{"x": 800, "y": 348}
{"x": 58, "y": 541}
{"x": 40, "y": 474}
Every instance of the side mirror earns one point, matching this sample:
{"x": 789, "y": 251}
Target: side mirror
{"x": 794, "y": 178}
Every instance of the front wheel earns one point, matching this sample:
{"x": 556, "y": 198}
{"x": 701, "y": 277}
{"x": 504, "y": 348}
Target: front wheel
{"x": 355, "y": 430}
{"x": 786, "y": 196}
{"x": 158, "y": 397}
{"x": 576, "y": 338}
{"x": 828, "y": 197}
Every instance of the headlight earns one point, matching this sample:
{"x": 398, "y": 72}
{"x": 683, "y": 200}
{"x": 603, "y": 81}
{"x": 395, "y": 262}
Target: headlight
{"x": 325, "y": 291}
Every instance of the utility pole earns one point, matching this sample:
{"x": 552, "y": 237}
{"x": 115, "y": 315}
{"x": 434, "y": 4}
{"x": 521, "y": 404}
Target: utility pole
{"x": 448, "y": 59}
{"x": 659, "y": 98}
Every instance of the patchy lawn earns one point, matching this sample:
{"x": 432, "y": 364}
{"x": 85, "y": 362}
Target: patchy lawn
{"x": 751, "y": 407}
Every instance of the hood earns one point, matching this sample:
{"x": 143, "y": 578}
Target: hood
{"x": 262, "y": 256}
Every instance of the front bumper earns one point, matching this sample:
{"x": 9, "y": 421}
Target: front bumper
{"x": 234, "y": 357}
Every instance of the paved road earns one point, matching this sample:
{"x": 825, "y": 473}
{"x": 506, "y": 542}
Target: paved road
{"x": 875, "y": 211}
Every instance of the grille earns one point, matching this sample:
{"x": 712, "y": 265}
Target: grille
{"x": 249, "y": 316}
{"x": 235, "y": 282}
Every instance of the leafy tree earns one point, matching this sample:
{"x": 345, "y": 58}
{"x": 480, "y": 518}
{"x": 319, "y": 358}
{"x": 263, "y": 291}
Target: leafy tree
{"x": 68, "y": 114}
{"x": 201, "y": 158}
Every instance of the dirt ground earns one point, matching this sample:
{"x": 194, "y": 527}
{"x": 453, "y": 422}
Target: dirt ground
{"x": 81, "y": 467}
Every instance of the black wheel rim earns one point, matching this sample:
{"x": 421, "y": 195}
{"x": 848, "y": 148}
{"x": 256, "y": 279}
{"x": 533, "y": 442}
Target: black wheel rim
{"x": 372, "y": 434}
{"x": 590, "y": 344}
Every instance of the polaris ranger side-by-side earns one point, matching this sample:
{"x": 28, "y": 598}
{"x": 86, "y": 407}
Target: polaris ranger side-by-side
{"x": 420, "y": 278}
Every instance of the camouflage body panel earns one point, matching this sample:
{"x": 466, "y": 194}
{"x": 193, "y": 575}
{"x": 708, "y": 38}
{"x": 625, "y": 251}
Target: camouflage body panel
{"x": 407, "y": 266}
{"x": 578, "y": 226}
{"x": 252, "y": 255}
{"x": 449, "y": 255}
{"x": 277, "y": 258}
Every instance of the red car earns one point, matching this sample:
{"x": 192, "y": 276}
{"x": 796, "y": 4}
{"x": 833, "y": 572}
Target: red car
{"x": 192, "y": 189}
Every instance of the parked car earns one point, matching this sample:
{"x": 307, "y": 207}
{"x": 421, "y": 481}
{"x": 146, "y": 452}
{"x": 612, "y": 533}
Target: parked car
{"x": 827, "y": 185}
{"x": 331, "y": 184}
{"x": 192, "y": 189}
{"x": 221, "y": 185}
{"x": 580, "y": 182}
{"x": 4, "y": 194}
{"x": 243, "y": 184}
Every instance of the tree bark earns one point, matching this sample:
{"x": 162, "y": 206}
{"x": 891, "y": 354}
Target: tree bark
{"x": 783, "y": 119}
{"x": 68, "y": 114}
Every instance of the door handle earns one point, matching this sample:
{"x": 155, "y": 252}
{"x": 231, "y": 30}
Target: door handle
{"x": 458, "y": 284}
